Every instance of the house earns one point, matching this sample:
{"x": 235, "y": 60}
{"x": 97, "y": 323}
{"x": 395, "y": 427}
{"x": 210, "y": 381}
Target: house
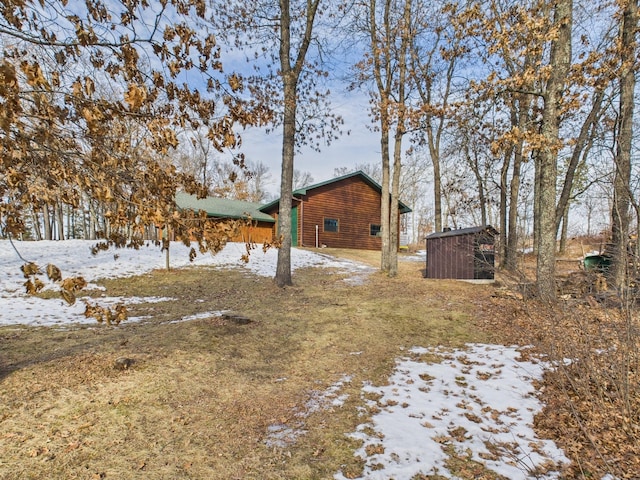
{"x": 262, "y": 227}
{"x": 343, "y": 212}
{"x": 467, "y": 253}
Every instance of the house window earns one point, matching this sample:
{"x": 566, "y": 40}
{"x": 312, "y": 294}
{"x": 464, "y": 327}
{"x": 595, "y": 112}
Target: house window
{"x": 374, "y": 230}
{"x": 330, "y": 224}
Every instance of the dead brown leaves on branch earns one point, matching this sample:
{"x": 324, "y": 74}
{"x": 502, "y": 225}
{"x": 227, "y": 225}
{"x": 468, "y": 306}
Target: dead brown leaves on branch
{"x": 68, "y": 138}
{"x": 106, "y": 315}
{"x": 68, "y": 286}
{"x": 92, "y": 126}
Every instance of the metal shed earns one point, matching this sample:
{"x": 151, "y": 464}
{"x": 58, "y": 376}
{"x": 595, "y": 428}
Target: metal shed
{"x": 466, "y": 254}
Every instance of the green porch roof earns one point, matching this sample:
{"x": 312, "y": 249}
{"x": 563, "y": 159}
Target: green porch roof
{"x": 223, "y": 207}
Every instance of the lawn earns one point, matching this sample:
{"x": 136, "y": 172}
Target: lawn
{"x": 230, "y": 377}
{"x": 218, "y": 397}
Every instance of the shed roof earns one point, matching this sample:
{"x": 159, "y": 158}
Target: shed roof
{"x": 222, "y": 207}
{"x": 464, "y": 231}
{"x": 367, "y": 179}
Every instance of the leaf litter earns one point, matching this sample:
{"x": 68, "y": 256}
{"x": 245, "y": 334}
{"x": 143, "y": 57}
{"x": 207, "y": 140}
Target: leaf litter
{"x": 444, "y": 404}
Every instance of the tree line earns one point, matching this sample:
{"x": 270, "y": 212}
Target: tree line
{"x": 520, "y": 109}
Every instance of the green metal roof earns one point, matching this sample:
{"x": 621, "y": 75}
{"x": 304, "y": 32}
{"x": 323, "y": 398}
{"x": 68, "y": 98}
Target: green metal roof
{"x": 223, "y": 207}
{"x": 303, "y": 191}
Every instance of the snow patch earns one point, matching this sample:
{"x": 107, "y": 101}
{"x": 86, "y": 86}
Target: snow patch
{"x": 478, "y": 402}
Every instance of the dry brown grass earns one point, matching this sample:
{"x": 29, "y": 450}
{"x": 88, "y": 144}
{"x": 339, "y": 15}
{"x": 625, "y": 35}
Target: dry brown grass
{"x": 201, "y": 395}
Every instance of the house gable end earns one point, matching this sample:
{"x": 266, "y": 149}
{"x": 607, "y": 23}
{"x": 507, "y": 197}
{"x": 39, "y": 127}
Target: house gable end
{"x": 301, "y": 192}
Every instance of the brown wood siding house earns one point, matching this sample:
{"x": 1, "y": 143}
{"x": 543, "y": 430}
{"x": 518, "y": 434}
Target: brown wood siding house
{"x": 340, "y": 213}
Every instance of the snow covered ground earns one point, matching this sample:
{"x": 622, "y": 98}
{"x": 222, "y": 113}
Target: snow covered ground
{"x": 478, "y": 402}
{"x": 74, "y": 258}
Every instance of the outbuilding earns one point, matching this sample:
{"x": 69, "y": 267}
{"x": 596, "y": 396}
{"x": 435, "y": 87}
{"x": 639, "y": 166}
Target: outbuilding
{"x": 342, "y": 212}
{"x": 465, "y": 254}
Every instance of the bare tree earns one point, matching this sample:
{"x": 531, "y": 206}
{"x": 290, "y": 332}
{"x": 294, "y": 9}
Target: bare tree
{"x": 301, "y": 179}
{"x": 258, "y": 176}
{"x": 622, "y": 180}
{"x": 386, "y": 66}
{"x": 277, "y": 38}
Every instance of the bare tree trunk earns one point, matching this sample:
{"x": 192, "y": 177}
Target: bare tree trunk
{"x": 622, "y": 179}
{"x": 560, "y": 61}
{"x": 564, "y": 231}
{"x": 36, "y": 224}
{"x": 520, "y": 118}
{"x": 385, "y": 214}
{"x": 290, "y": 77}
{"x": 46, "y": 220}
{"x": 93, "y": 221}
{"x": 437, "y": 192}
{"x": 394, "y": 217}
{"x": 581, "y": 146}
{"x": 511, "y": 261}
{"x": 397, "y": 147}
{"x": 472, "y": 161}
{"x": 504, "y": 185}
{"x": 71, "y": 222}
{"x": 382, "y": 76}
{"x": 434, "y": 126}
{"x": 283, "y": 268}
{"x": 59, "y": 220}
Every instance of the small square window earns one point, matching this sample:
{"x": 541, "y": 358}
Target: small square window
{"x": 374, "y": 230}
{"x": 330, "y": 225}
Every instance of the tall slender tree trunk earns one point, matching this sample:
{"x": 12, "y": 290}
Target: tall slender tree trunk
{"x": 283, "y": 268}
{"x": 581, "y": 148}
{"x": 504, "y": 189}
{"x": 394, "y": 217}
{"x": 93, "y": 221}
{"x": 46, "y": 220}
{"x": 36, "y": 224}
{"x": 59, "y": 220}
{"x": 382, "y": 75}
{"x": 622, "y": 179}
{"x": 472, "y": 161}
{"x": 437, "y": 192}
{"x": 560, "y": 61}
{"x": 520, "y": 118}
{"x": 290, "y": 77}
{"x": 71, "y": 222}
{"x": 511, "y": 260}
{"x": 399, "y": 134}
{"x": 385, "y": 213}
{"x": 564, "y": 231}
